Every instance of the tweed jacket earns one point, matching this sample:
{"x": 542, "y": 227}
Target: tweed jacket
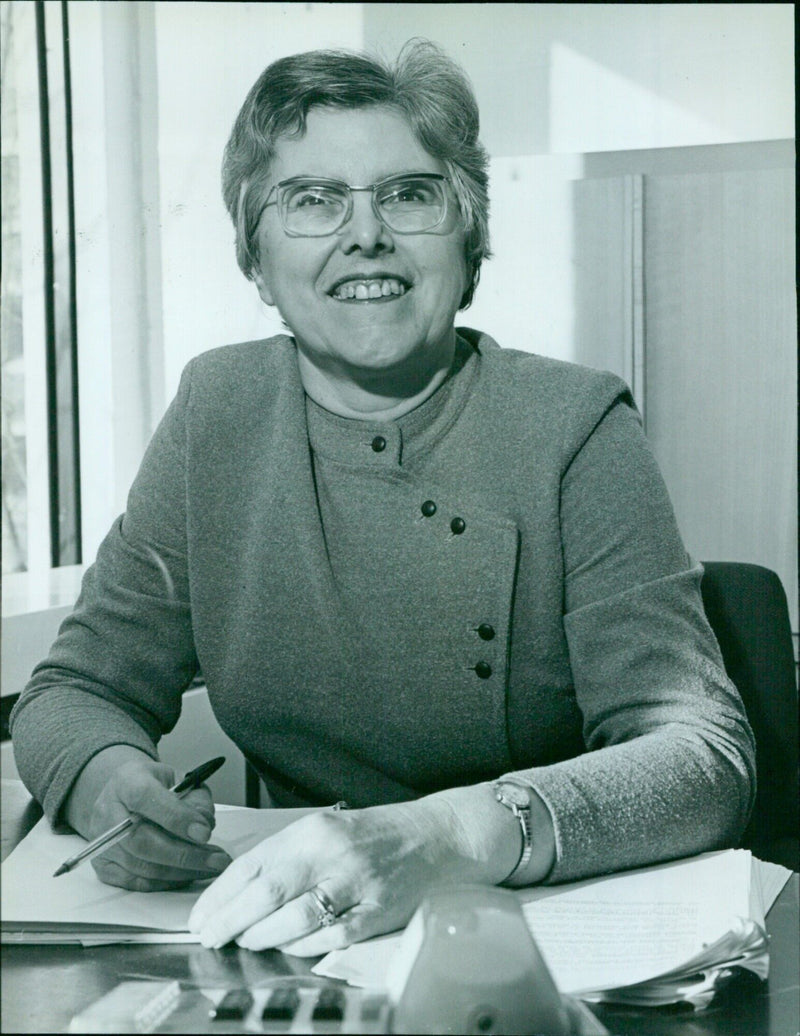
{"x": 544, "y": 620}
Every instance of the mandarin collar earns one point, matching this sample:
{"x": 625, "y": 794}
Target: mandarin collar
{"x": 386, "y": 445}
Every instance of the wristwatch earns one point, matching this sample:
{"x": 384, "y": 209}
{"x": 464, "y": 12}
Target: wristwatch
{"x": 517, "y": 798}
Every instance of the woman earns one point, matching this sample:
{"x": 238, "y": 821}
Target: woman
{"x": 435, "y": 578}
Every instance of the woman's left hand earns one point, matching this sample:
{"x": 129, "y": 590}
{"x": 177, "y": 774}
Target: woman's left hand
{"x": 373, "y": 866}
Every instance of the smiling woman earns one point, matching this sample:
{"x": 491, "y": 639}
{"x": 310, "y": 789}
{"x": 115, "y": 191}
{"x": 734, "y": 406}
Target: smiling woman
{"x": 433, "y": 577}
{"x": 363, "y": 351}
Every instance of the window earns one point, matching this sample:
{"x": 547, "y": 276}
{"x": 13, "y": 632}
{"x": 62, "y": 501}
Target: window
{"x": 40, "y": 445}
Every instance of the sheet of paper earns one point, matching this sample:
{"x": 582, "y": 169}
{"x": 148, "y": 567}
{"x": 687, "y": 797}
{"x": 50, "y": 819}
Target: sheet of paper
{"x": 32, "y": 894}
{"x": 627, "y": 928}
{"x": 610, "y": 931}
{"x": 769, "y": 878}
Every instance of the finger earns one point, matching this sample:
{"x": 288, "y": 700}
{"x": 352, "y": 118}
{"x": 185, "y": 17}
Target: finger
{"x": 298, "y": 917}
{"x": 242, "y": 871}
{"x": 150, "y": 853}
{"x": 112, "y": 872}
{"x": 291, "y": 860}
{"x": 118, "y": 872}
{"x": 200, "y": 800}
{"x": 358, "y": 923}
{"x": 222, "y": 914}
{"x": 146, "y": 796}
{"x": 175, "y": 869}
{"x": 280, "y": 868}
{"x": 152, "y": 844}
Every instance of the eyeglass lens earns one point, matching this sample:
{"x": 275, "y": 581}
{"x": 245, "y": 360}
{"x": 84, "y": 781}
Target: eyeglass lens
{"x": 408, "y": 205}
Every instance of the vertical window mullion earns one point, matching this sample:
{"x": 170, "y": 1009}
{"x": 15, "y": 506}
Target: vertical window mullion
{"x": 71, "y": 295}
{"x": 49, "y": 309}
{"x": 59, "y": 273}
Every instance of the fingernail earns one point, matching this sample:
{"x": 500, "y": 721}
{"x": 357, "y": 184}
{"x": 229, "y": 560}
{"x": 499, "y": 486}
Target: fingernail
{"x": 218, "y": 862}
{"x": 198, "y": 832}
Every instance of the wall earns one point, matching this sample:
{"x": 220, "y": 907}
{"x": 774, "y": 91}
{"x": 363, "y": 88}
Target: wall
{"x": 722, "y": 361}
{"x": 555, "y": 78}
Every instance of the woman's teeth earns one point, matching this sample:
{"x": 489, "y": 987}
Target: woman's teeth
{"x": 362, "y": 290}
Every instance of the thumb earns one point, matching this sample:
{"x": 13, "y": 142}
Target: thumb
{"x": 148, "y": 795}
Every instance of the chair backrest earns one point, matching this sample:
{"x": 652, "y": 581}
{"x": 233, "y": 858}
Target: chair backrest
{"x": 746, "y": 606}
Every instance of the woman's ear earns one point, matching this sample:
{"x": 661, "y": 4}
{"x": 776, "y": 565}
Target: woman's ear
{"x": 263, "y": 289}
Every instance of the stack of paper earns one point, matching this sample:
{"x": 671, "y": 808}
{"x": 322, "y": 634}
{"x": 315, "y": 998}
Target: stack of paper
{"x": 664, "y": 934}
{"x": 77, "y": 907}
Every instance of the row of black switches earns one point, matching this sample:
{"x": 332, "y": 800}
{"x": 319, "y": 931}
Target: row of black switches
{"x": 281, "y": 1007}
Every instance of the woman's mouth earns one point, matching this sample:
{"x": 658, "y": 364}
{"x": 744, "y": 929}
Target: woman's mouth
{"x": 369, "y": 290}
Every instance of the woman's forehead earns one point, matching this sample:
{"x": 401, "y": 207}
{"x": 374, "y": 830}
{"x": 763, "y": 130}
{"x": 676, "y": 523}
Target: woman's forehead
{"x": 357, "y": 145}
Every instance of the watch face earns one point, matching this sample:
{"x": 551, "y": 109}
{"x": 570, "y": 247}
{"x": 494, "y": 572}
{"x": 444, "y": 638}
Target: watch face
{"x": 514, "y": 794}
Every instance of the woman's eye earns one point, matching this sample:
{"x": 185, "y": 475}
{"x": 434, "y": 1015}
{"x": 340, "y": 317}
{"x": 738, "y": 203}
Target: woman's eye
{"x": 412, "y": 194}
{"x": 312, "y": 198}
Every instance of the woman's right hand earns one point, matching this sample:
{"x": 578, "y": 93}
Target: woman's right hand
{"x": 168, "y": 847}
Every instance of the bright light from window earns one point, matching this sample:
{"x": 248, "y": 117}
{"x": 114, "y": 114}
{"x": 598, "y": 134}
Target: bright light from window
{"x": 15, "y": 478}
{"x": 41, "y": 491}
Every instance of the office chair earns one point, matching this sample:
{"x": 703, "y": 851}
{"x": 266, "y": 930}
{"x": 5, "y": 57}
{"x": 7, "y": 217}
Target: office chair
{"x": 746, "y": 607}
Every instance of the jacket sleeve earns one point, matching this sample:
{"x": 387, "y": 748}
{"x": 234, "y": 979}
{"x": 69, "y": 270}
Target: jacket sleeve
{"x": 122, "y": 659}
{"x": 669, "y": 769}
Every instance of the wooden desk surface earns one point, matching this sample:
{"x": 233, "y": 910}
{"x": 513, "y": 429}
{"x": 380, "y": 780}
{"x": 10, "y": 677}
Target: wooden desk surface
{"x": 44, "y": 986}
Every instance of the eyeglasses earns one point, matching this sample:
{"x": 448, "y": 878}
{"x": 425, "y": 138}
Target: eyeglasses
{"x": 411, "y": 203}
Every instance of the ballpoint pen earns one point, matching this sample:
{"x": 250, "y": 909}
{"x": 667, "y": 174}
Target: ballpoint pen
{"x": 192, "y": 780}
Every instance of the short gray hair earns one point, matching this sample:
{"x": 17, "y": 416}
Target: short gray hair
{"x": 424, "y": 84}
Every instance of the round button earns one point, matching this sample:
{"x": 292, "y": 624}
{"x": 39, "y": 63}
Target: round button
{"x": 379, "y": 444}
{"x": 457, "y": 526}
{"x": 428, "y": 508}
{"x": 485, "y": 631}
{"x": 484, "y": 670}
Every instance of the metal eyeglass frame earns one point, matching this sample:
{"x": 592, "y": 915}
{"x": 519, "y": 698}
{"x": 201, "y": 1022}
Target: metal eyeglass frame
{"x": 349, "y": 189}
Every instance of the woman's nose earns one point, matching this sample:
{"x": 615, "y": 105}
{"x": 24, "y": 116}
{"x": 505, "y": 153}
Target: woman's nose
{"x": 364, "y": 231}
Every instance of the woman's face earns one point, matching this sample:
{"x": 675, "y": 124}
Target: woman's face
{"x": 353, "y": 338}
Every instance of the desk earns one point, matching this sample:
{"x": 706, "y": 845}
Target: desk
{"x": 44, "y": 986}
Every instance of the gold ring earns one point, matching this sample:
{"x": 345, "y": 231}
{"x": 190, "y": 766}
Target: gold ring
{"x": 327, "y": 911}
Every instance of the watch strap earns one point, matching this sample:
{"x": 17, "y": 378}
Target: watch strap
{"x": 523, "y": 815}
